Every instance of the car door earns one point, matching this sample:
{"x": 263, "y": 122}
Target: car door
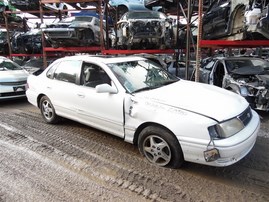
{"x": 62, "y": 86}
{"x": 216, "y": 19}
{"x": 100, "y": 110}
{"x": 217, "y": 74}
{"x": 206, "y": 72}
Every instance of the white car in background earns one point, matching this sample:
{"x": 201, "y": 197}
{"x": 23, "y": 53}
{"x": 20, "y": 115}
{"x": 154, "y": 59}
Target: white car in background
{"x": 171, "y": 120}
{"x": 12, "y": 79}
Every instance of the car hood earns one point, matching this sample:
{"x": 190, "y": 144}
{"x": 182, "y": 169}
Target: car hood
{"x": 204, "y": 99}
{"x": 13, "y": 75}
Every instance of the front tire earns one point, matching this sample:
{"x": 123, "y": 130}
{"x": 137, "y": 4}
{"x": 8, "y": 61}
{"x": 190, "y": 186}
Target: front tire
{"x": 48, "y": 111}
{"x": 160, "y": 147}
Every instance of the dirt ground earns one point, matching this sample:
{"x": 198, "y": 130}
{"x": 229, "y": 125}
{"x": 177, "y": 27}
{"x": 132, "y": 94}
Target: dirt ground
{"x": 73, "y": 162}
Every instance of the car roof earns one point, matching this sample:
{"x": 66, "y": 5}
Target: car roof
{"x": 103, "y": 59}
{"x": 235, "y": 58}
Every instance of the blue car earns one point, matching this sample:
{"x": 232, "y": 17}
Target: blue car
{"x": 124, "y": 6}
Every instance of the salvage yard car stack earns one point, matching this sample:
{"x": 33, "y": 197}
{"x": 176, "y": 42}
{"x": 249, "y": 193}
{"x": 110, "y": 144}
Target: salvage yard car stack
{"x": 170, "y": 120}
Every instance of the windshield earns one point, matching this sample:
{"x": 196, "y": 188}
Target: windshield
{"x": 241, "y": 63}
{"x": 141, "y": 75}
{"x": 8, "y": 65}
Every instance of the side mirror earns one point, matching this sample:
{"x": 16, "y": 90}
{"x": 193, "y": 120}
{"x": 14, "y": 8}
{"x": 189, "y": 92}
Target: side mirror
{"x": 105, "y": 88}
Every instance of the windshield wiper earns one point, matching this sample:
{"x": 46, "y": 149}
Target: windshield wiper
{"x": 169, "y": 82}
{"x": 143, "y": 89}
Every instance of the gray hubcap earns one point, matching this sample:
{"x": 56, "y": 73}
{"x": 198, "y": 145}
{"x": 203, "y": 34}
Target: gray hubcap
{"x": 157, "y": 150}
{"x": 47, "y": 109}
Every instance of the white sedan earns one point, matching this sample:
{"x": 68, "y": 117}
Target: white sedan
{"x": 169, "y": 119}
{"x": 12, "y": 79}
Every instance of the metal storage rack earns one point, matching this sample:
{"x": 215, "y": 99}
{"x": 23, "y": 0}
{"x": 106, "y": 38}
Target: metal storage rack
{"x": 62, "y": 51}
{"x": 104, "y": 49}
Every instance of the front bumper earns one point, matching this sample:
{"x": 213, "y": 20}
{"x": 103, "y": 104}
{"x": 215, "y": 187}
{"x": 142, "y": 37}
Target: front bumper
{"x": 12, "y": 92}
{"x": 230, "y": 150}
{"x": 234, "y": 148}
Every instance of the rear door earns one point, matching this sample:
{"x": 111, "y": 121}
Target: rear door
{"x": 62, "y": 86}
{"x": 205, "y": 74}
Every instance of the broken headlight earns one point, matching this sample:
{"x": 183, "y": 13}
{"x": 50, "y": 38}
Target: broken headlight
{"x": 226, "y": 129}
{"x": 244, "y": 91}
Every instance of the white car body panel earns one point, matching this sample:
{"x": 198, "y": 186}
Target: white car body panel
{"x": 186, "y": 108}
{"x": 93, "y": 109}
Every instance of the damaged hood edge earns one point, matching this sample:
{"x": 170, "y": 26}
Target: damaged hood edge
{"x": 204, "y": 99}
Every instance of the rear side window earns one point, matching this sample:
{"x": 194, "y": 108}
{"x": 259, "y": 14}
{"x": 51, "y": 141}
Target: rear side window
{"x": 209, "y": 65}
{"x": 67, "y": 71}
{"x": 50, "y": 72}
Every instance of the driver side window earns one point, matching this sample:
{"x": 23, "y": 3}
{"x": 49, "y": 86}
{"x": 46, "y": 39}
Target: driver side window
{"x": 93, "y": 75}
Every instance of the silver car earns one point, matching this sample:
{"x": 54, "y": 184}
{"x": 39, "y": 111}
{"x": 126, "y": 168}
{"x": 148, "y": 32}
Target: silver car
{"x": 13, "y": 79}
{"x": 74, "y": 31}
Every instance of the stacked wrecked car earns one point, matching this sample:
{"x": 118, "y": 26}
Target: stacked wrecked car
{"x": 237, "y": 20}
{"x": 146, "y": 29}
{"x": 74, "y": 31}
{"x": 246, "y": 76}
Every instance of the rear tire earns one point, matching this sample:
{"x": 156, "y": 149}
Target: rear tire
{"x": 47, "y": 110}
{"x": 160, "y": 147}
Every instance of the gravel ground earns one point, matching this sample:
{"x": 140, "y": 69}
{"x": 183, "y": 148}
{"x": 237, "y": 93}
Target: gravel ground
{"x": 73, "y": 162}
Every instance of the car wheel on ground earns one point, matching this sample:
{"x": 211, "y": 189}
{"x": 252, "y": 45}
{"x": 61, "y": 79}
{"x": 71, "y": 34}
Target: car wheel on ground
{"x": 160, "y": 147}
{"x": 47, "y": 110}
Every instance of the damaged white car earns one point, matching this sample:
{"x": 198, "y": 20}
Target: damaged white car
{"x": 144, "y": 30}
{"x": 170, "y": 120}
{"x": 237, "y": 20}
{"x": 246, "y": 76}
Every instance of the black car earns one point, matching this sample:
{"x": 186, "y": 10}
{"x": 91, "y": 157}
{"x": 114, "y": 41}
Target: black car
{"x": 172, "y": 4}
{"x": 3, "y": 42}
{"x": 29, "y": 42}
{"x": 236, "y": 20}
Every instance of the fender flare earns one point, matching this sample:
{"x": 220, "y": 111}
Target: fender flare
{"x": 232, "y": 16}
